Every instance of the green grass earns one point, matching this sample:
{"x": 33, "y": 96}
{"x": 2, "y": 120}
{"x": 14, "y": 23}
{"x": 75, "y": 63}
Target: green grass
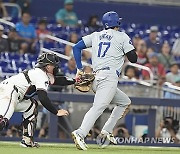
{"x": 14, "y": 148}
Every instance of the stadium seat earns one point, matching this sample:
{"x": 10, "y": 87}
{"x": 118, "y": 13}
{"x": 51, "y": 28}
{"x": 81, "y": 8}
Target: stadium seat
{"x": 3, "y": 64}
{"x": 34, "y": 20}
{"x": 5, "y": 56}
{"x": 8, "y": 70}
{"x": 30, "y": 57}
{"x": 48, "y": 44}
{"x": 52, "y": 21}
{"x": 14, "y": 56}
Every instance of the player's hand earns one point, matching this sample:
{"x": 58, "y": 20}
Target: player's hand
{"x": 78, "y": 74}
{"x": 62, "y": 113}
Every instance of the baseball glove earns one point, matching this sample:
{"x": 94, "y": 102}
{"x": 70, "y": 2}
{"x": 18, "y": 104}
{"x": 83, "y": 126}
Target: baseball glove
{"x": 83, "y": 84}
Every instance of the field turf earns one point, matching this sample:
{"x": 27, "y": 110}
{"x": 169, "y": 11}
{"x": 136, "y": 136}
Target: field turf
{"x": 46, "y": 148}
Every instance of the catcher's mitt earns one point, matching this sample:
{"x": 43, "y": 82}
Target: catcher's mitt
{"x": 83, "y": 84}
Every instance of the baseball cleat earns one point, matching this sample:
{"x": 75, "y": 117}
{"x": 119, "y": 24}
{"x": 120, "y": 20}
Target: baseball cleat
{"x": 105, "y": 138}
{"x": 79, "y": 141}
{"x": 27, "y": 142}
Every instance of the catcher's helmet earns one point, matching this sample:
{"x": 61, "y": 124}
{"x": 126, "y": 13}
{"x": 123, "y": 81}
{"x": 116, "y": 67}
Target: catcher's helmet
{"x": 46, "y": 59}
{"x": 111, "y": 19}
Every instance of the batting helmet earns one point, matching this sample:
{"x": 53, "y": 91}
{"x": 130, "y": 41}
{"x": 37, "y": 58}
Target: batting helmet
{"x": 111, "y": 19}
{"x": 46, "y": 59}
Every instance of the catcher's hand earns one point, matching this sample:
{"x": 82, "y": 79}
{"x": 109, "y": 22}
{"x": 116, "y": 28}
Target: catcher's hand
{"x": 84, "y": 81}
{"x": 62, "y": 112}
{"x": 78, "y": 75}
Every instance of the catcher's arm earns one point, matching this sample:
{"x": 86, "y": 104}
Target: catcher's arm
{"x": 45, "y": 101}
{"x": 63, "y": 81}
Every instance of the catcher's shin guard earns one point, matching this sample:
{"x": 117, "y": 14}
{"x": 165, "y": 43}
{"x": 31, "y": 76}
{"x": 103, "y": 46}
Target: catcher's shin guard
{"x": 4, "y": 122}
{"x": 29, "y": 125}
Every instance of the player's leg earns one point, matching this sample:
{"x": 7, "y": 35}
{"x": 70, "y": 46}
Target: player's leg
{"x": 8, "y": 100}
{"x": 29, "y": 107}
{"x": 123, "y": 102}
{"x": 103, "y": 97}
{"x": 105, "y": 92}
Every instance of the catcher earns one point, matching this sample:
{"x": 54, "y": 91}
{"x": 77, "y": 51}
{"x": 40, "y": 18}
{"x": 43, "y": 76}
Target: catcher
{"x": 16, "y": 94}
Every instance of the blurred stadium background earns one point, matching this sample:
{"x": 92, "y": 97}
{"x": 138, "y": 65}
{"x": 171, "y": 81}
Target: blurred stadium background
{"x": 154, "y": 27}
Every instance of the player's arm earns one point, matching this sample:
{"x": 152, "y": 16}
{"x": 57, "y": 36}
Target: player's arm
{"x": 129, "y": 49}
{"x": 132, "y": 56}
{"x": 77, "y": 53}
{"x": 45, "y": 101}
{"x": 63, "y": 81}
{"x": 85, "y": 42}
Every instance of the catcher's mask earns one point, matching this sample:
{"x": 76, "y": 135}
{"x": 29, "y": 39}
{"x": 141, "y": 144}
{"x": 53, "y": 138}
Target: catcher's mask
{"x": 48, "y": 59}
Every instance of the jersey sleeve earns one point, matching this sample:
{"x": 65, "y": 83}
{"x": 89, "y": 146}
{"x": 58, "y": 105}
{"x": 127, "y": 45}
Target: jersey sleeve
{"x": 127, "y": 44}
{"x": 88, "y": 40}
{"x": 41, "y": 82}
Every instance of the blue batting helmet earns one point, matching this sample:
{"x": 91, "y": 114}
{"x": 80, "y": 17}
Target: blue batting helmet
{"x": 111, "y": 19}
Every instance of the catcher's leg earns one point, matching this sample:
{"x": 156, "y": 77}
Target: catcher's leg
{"x": 8, "y": 100}
{"x": 123, "y": 103}
{"x": 29, "y": 107}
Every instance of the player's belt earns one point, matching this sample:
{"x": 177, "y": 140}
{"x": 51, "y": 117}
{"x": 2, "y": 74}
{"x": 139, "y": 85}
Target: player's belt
{"x": 106, "y": 68}
{"x": 102, "y": 69}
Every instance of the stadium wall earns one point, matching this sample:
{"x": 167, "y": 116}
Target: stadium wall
{"x": 131, "y": 13}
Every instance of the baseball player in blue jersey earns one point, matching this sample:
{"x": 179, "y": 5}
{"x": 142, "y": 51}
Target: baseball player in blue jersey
{"x": 109, "y": 49}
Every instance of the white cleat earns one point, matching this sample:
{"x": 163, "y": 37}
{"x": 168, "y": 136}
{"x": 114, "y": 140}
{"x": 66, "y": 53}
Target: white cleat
{"x": 79, "y": 141}
{"x": 105, "y": 138}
